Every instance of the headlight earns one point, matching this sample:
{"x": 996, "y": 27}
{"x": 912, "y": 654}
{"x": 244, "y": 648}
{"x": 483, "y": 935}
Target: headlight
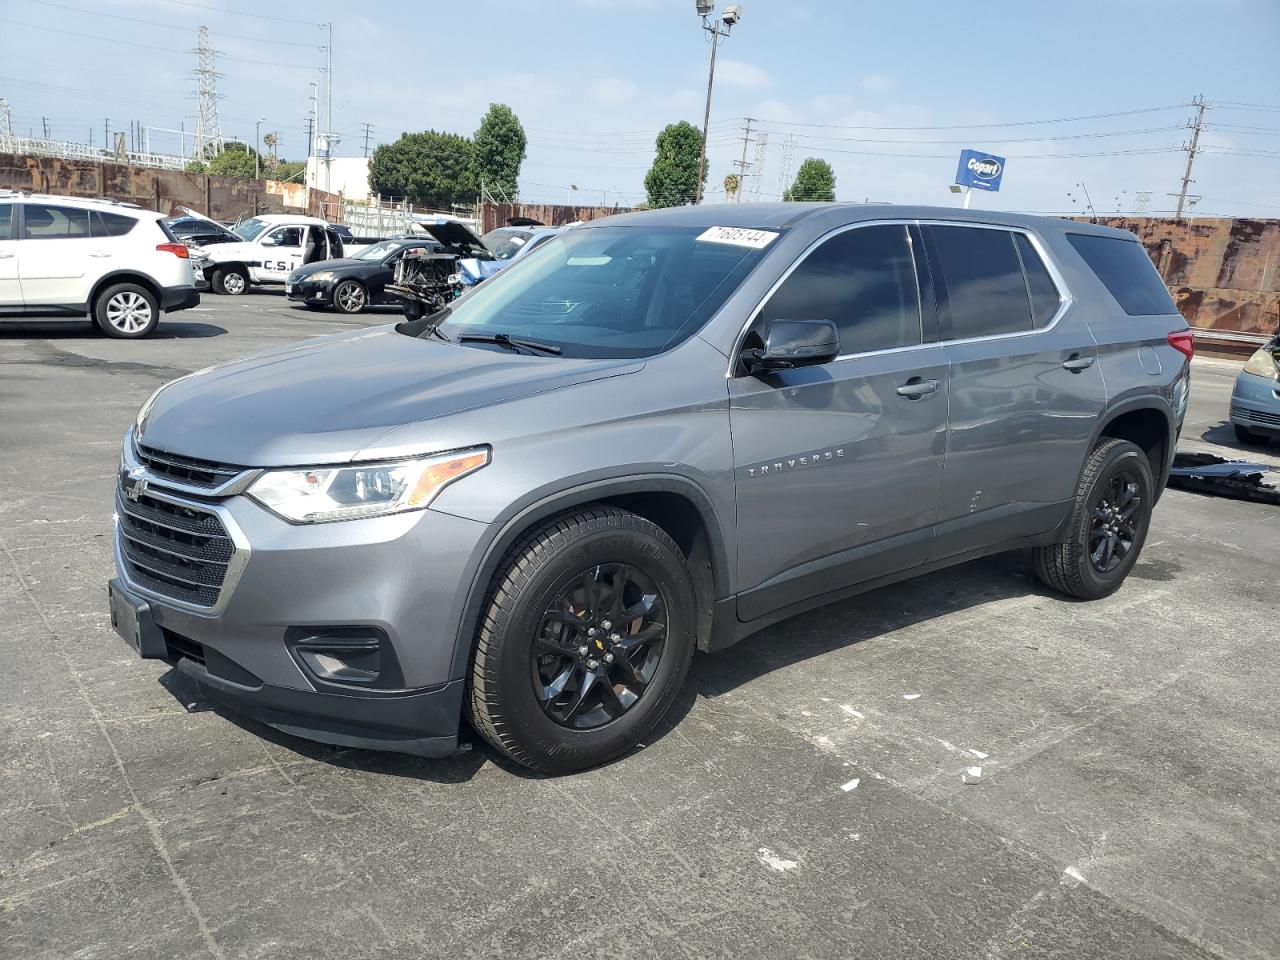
{"x": 1263, "y": 364}
{"x": 323, "y": 494}
{"x": 321, "y": 276}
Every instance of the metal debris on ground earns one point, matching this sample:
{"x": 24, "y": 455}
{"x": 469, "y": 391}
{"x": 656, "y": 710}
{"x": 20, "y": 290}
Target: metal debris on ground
{"x": 1238, "y": 479}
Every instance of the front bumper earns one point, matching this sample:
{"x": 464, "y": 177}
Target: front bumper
{"x": 402, "y": 578}
{"x": 1255, "y": 404}
{"x": 310, "y": 291}
{"x": 178, "y": 298}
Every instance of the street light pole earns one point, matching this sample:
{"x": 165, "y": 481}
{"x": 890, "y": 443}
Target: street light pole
{"x": 732, "y": 14}
{"x": 257, "y": 148}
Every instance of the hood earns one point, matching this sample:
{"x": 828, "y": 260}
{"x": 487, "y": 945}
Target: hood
{"x": 335, "y": 264}
{"x": 327, "y": 400}
{"x": 452, "y": 234}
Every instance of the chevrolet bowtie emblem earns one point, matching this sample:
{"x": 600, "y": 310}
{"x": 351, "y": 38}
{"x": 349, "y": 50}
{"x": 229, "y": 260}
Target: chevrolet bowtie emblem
{"x": 139, "y": 486}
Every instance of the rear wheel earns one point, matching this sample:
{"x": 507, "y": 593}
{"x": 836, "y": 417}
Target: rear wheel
{"x": 350, "y": 297}
{"x": 233, "y": 281}
{"x": 1108, "y": 526}
{"x": 127, "y": 311}
{"x": 1245, "y": 435}
{"x": 585, "y": 642}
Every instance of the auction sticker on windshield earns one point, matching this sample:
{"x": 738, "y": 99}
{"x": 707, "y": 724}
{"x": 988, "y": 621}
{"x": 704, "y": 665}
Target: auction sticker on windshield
{"x": 739, "y": 236}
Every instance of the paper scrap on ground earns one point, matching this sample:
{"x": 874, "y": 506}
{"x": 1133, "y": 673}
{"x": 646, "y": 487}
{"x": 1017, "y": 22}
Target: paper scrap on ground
{"x": 911, "y": 696}
{"x": 773, "y": 861}
{"x": 851, "y": 785}
{"x": 979, "y": 754}
{"x": 851, "y": 712}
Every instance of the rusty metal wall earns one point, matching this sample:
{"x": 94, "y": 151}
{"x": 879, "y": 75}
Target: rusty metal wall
{"x": 223, "y": 198}
{"x": 493, "y": 215}
{"x": 1223, "y": 273}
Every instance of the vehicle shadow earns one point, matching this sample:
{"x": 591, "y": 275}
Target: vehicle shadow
{"x": 1223, "y": 435}
{"x": 83, "y": 330}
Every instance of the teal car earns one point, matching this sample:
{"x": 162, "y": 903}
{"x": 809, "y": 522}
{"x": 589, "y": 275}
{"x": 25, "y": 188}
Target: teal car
{"x": 1255, "y": 401}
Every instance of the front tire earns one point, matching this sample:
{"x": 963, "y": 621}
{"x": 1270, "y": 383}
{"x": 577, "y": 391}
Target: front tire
{"x": 585, "y": 641}
{"x": 126, "y": 311}
{"x": 1247, "y": 436}
{"x": 231, "y": 281}
{"x": 1108, "y": 525}
{"x": 350, "y": 297}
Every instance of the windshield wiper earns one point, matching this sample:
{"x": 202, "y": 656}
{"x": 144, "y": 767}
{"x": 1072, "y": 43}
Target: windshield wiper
{"x": 508, "y": 341}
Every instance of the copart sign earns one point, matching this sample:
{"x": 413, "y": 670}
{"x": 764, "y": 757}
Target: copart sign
{"x": 980, "y": 171}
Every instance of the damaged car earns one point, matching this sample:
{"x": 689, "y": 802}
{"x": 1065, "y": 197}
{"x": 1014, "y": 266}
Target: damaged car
{"x": 352, "y": 284}
{"x": 1255, "y": 400}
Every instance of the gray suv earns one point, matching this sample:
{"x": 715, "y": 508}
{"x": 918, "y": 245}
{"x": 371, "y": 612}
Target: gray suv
{"x": 663, "y": 433}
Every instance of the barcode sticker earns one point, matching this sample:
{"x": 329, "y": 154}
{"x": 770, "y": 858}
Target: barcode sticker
{"x": 739, "y": 236}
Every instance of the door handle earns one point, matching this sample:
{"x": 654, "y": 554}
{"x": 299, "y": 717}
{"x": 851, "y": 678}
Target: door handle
{"x": 917, "y": 387}
{"x": 6, "y": 256}
{"x": 100, "y": 254}
{"x": 1076, "y": 363}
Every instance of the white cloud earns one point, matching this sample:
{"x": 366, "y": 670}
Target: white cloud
{"x": 739, "y": 73}
{"x": 876, "y": 83}
{"x": 614, "y": 90}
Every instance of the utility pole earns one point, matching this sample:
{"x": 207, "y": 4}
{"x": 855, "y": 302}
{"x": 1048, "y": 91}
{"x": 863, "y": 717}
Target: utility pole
{"x": 106, "y": 132}
{"x": 742, "y": 164}
{"x": 45, "y": 122}
{"x": 368, "y": 128}
{"x": 719, "y": 29}
{"x": 1196, "y": 126}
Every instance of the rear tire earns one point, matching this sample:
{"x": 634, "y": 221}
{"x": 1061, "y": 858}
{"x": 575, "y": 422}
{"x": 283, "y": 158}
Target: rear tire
{"x": 534, "y": 694}
{"x": 1108, "y": 525}
{"x": 1245, "y": 435}
{"x": 126, "y": 311}
{"x": 231, "y": 281}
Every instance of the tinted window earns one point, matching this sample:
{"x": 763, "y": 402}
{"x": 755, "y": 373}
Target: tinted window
{"x": 1125, "y": 269}
{"x": 55, "y": 223}
{"x": 111, "y": 224}
{"x": 6, "y": 218}
{"x": 288, "y": 237}
{"x": 982, "y": 291}
{"x": 1045, "y": 298}
{"x": 864, "y": 281}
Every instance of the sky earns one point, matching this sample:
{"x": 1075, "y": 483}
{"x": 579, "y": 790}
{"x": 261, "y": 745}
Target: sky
{"x": 887, "y": 92}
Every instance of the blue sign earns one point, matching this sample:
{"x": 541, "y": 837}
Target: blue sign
{"x": 979, "y": 171}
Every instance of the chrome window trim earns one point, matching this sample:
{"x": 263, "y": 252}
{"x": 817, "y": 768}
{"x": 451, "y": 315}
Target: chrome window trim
{"x": 1066, "y": 299}
{"x": 241, "y": 551}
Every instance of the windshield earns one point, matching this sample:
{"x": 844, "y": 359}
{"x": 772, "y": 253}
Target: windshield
{"x": 608, "y": 291}
{"x": 378, "y": 250}
{"x": 248, "y": 229}
{"x": 505, "y": 242}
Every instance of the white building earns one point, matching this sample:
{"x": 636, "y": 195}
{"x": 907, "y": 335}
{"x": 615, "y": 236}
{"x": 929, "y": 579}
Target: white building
{"x": 348, "y": 176}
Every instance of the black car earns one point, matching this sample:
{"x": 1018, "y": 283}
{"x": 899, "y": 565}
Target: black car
{"x": 201, "y": 232}
{"x": 352, "y": 283}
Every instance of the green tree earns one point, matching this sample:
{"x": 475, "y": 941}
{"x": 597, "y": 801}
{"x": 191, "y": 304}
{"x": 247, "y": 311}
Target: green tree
{"x": 429, "y": 169}
{"x": 235, "y": 160}
{"x": 732, "y": 183}
{"x": 499, "y": 150}
{"x": 815, "y": 180}
{"x": 673, "y": 179}
{"x": 290, "y": 169}
{"x": 196, "y": 166}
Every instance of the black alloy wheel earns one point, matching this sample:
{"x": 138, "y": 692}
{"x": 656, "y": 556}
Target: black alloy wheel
{"x": 599, "y": 646}
{"x": 1115, "y": 521}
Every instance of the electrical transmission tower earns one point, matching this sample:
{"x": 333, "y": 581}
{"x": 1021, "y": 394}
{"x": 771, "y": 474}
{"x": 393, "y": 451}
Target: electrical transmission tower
{"x": 208, "y": 132}
{"x": 1196, "y": 126}
{"x": 788, "y": 158}
{"x": 6, "y": 119}
{"x": 757, "y": 165}
{"x": 1141, "y": 201}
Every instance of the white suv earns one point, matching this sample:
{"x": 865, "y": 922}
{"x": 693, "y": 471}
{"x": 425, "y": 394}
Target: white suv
{"x": 113, "y": 262}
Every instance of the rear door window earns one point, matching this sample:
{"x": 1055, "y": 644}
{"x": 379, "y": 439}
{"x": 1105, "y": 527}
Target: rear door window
{"x": 6, "y": 220}
{"x": 1045, "y": 298}
{"x": 44, "y": 222}
{"x": 982, "y": 292}
{"x": 864, "y": 281}
{"x": 1127, "y": 272}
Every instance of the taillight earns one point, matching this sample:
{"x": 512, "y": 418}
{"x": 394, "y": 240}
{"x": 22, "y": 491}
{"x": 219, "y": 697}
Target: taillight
{"x": 179, "y": 250}
{"x": 1184, "y": 342}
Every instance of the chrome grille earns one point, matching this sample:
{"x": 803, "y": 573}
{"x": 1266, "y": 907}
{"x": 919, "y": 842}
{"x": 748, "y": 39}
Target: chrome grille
{"x": 189, "y": 470}
{"x": 177, "y": 550}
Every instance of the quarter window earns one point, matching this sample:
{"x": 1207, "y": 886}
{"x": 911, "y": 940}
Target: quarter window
{"x": 864, "y": 281}
{"x": 55, "y": 223}
{"x": 982, "y": 292}
{"x": 1045, "y": 298}
{"x": 111, "y": 224}
{"x": 1127, "y": 272}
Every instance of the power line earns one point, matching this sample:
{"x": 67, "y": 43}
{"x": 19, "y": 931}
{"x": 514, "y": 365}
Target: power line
{"x": 241, "y": 13}
{"x": 168, "y": 26}
{"x": 1064, "y": 136}
{"x": 983, "y": 126}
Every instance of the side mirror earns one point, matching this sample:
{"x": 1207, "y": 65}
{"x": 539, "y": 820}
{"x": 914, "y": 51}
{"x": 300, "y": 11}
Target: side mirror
{"x": 270, "y": 242}
{"x": 794, "y": 343}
